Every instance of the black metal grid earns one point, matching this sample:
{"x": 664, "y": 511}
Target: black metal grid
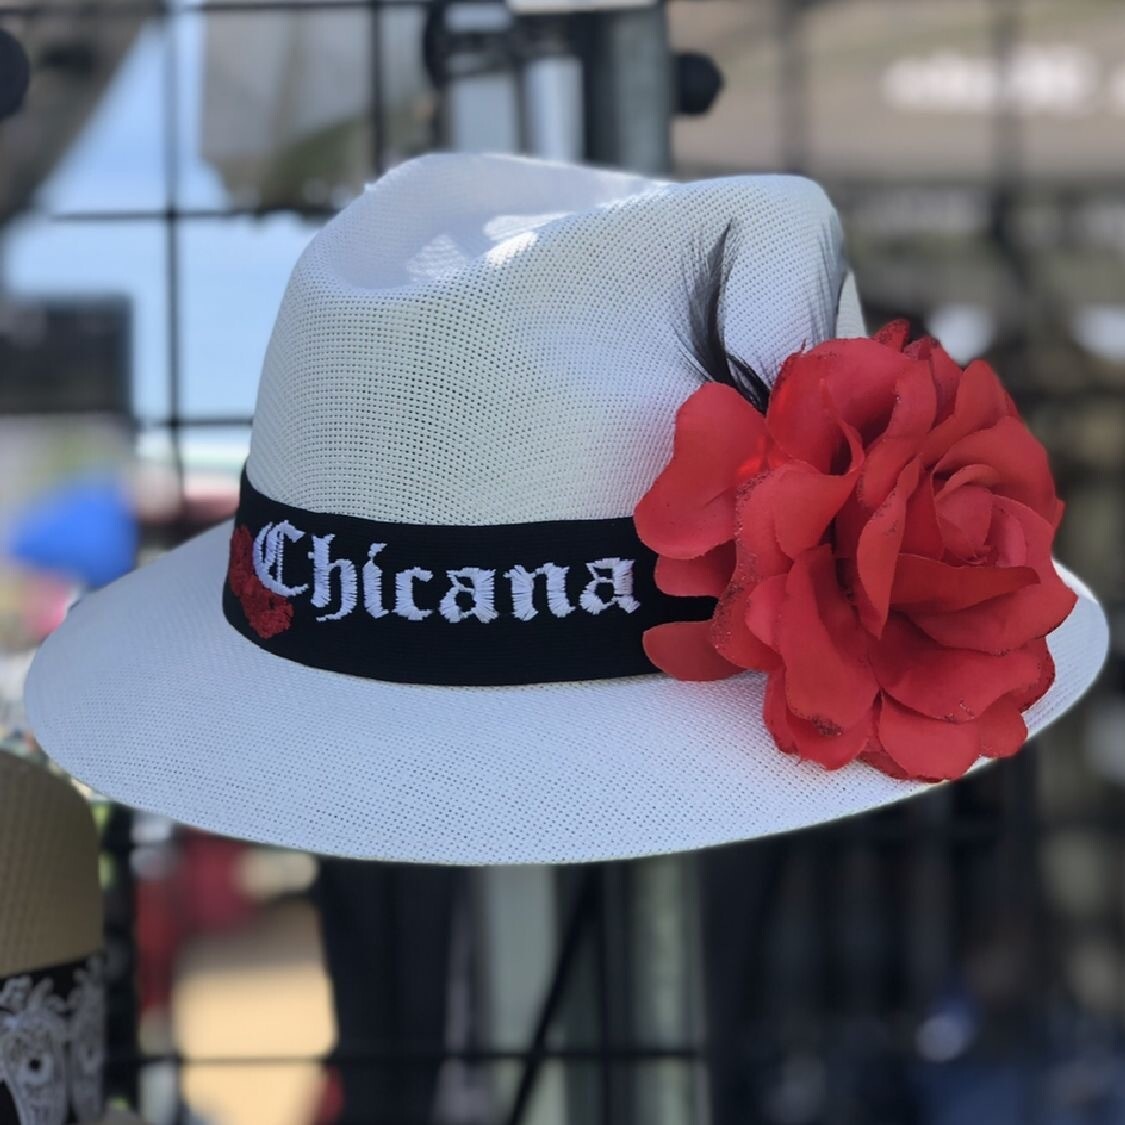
{"x": 822, "y": 947}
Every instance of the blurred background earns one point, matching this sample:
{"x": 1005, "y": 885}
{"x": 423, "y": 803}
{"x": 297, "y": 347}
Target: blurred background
{"x": 960, "y": 960}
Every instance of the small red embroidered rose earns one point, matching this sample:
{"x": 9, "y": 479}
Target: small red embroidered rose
{"x": 879, "y": 543}
{"x": 267, "y": 613}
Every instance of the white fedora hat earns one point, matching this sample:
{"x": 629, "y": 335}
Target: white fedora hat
{"x": 52, "y": 1003}
{"x": 431, "y": 641}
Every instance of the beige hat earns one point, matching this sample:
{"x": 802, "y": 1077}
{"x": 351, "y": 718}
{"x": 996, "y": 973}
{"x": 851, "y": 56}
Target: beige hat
{"x": 52, "y": 1001}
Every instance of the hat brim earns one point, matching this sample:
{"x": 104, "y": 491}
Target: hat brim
{"x": 148, "y": 695}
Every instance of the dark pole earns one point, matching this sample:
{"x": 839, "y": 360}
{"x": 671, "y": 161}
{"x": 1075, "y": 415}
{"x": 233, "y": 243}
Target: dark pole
{"x": 628, "y": 78}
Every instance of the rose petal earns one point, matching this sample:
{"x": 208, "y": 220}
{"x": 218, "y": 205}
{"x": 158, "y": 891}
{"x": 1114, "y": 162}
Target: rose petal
{"x": 705, "y": 576}
{"x": 1007, "y": 538}
{"x": 683, "y": 650}
{"x": 798, "y": 417}
{"x": 775, "y": 713}
{"x": 944, "y": 371}
{"x": 883, "y": 464}
{"x": 1017, "y": 458}
{"x": 837, "y": 383}
{"x": 981, "y": 402}
{"x": 894, "y": 334}
{"x": 796, "y": 736}
{"x": 877, "y": 552}
{"x": 804, "y": 502}
{"x": 921, "y": 534}
{"x": 924, "y": 585}
{"x": 1042, "y": 654}
{"x": 730, "y": 634}
{"x": 690, "y": 508}
{"x": 952, "y": 684}
{"x": 862, "y": 379}
{"x": 974, "y": 473}
{"x": 828, "y": 679}
{"x": 763, "y": 610}
{"x": 759, "y": 553}
{"x": 877, "y": 757}
{"x": 927, "y": 749}
{"x": 1004, "y": 623}
{"x": 1002, "y": 730}
{"x": 910, "y": 421}
{"x": 1011, "y": 620}
{"x": 965, "y": 517}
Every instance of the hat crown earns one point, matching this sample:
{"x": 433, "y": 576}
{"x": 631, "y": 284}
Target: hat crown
{"x": 52, "y": 906}
{"x": 484, "y": 340}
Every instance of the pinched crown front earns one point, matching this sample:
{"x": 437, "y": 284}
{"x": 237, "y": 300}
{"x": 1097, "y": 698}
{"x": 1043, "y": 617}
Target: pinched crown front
{"x": 487, "y": 340}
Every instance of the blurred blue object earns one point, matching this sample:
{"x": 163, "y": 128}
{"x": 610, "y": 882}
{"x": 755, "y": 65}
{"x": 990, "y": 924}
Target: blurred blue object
{"x": 84, "y": 530}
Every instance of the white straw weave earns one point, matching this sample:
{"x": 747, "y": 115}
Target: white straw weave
{"x": 477, "y": 340}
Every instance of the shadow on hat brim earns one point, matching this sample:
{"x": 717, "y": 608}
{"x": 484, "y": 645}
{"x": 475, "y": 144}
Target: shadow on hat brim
{"x": 147, "y": 694}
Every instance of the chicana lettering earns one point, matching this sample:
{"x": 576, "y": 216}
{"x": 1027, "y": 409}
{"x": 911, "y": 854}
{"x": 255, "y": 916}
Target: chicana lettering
{"x": 339, "y": 586}
{"x": 459, "y": 604}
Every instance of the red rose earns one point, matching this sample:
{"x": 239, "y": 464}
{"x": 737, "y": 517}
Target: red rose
{"x": 267, "y": 613}
{"x": 879, "y": 543}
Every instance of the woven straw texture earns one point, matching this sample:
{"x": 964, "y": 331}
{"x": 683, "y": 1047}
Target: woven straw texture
{"x": 482, "y": 340}
{"x": 50, "y": 900}
{"x": 477, "y": 340}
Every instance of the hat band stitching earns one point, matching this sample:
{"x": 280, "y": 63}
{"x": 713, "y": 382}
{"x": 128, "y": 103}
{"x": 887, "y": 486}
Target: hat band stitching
{"x": 468, "y": 605}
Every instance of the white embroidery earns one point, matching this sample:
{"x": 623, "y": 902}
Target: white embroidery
{"x": 86, "y": 1047}
{"x": 52, "y": 1052}
{"x": 404, "y": 593}
{"x": 523, "y": 590}
{"x": 477, "y": 584}
{"x": 373, "y": 583}
{"x": 269, "y": 557}
{"x": 33, "y": 1035}
{"x": 620, "y": 578}
{"x": 470, "y": 594}
{"x": 323, "y": 566}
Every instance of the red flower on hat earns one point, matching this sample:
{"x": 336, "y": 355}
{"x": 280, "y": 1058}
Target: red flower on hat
{"x": 268, "y": 613}
{"x": 879, "y": 543}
